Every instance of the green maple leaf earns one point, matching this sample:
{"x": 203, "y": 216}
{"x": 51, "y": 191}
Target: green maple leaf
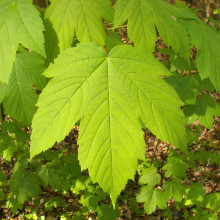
{"x": 19, "y": 23}
{"x": 107, "y": 212}
{"x": 89, "y": 201}
{"x": 150, "y": 176}
{"x": 23, "y": 185}
{"x": 212, "y": 201}
{"x": 208, "y": 51}
{"x": 144, "y": 15}
{"x": 174, "y": 189}
{"x": 151, "y": 198}
{"x": 176, "y": 167}
{"x": 196, "y": 195}
{"x": 82, "y": 18}
{"x": 50, "y": 174}
{"x": 207, "y": 43}
{"x": 111, "y": 95}
{"x": 203, "y": 110}
{"x": 21, "y": 97}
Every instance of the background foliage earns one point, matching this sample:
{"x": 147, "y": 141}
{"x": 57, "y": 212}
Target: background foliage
{"x": 169, "y": 181}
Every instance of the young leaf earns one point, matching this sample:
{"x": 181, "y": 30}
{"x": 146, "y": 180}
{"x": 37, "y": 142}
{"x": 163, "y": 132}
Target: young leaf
{"x": 111, "y": 95}
{"x": 196, "y": 195}
{"x": 174, "y": 189}
{"x": 23, "y": 185}
{"x": 82, "y": 18}
{"x": 212, "y": 200}
{"x": 150, "y": 176}
{"x": 89, "y": 201}
{"x": 204, "y": 109}
{"x": 107, "y": 212}
{"x": 175, "y": 167}
{"x": 19, "y": 23}
{"x": 50, "y": 176}
{"x": 144, "y": 15}
{"x": 151, "y": 198}
{"x": 20, "y": 96}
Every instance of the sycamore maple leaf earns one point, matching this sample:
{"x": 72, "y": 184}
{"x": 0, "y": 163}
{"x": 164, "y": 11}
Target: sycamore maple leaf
{"x": 174, "y": 189}
{"x": 176, "y": 167}
{"x": 19, "y": 23}
{"x": 207, "y": 43}
{"x": 82, "y": 18}
{"x": 22, "y": 184}
{"x": 151, "y": 198}
{"x": 144, "y": 16}
{"x": 150, "y": 176}
{"x": 112, "y": 95}
{"x": 20, "y": 98}
{"x": 203, "y": 110}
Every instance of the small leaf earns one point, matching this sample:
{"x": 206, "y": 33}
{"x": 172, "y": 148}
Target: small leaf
{"x": 23, "y": 185}
{"x": 151, "y": 198}
{"x": 212, "y": 200}
{"x": 150, "y": 177}
{"x": 203, "y": 110}
{"x": 107, "y": 212}
{"x": 175, "y": 167}
{"x": 174, "y": 189}
{"x": 89, "y": 201}
{"x": 196, "y": 195}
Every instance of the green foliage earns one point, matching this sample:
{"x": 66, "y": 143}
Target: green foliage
{"x": 20, "y": 98}
{"x": 81, "y": 18}
{"x": 142, "y": 18}
{"x": 175, "y": 167}
{"x": 151, "y": 198}
{"x": 174, "y": 189}
{"x": 2, "y": 185}
{"x": 193, "y": 132}
{"x": 204, "y": 109}
{"x": 113, "y": 92}
{"x": 184, "y": 88}
{"x": 19, "y": 23}
{"x": 150, "y": 177}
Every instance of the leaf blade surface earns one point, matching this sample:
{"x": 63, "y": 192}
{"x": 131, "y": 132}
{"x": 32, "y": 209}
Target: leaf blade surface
{"x": 89, "y": 86}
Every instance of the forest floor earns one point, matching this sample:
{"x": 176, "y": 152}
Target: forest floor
{"x": 206, "y": 174}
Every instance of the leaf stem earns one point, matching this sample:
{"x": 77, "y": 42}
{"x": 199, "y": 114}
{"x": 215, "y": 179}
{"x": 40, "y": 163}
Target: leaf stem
{"x": 2, "y": 112}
